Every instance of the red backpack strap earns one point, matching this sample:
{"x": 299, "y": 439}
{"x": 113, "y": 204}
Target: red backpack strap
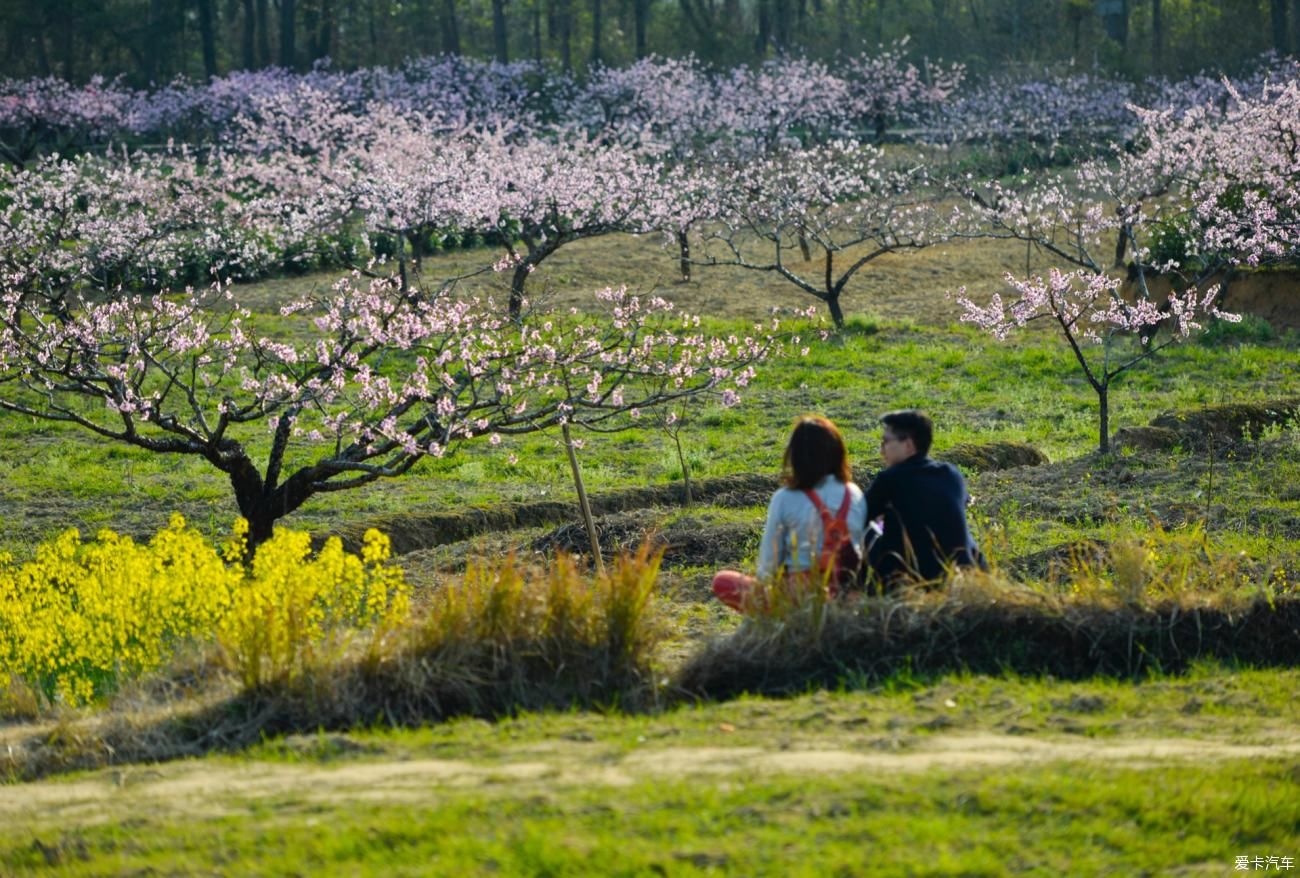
{"x": 821, "y": 507}
{"x": 843, "y": 514}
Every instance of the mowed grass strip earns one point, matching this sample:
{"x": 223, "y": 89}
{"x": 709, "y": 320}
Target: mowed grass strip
{"x": 824, "y": 783}
{"x": 1055, "y": 819}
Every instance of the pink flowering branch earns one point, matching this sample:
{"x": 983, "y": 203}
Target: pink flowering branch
{"x": 372, "y": 380}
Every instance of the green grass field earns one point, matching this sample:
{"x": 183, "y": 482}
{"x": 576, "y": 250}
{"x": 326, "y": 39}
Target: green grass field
{"x": 960, "y": 775}
{"x": 953, "y": 776}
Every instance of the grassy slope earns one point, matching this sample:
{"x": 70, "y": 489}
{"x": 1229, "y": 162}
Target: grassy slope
{"x": 846, "y": 783}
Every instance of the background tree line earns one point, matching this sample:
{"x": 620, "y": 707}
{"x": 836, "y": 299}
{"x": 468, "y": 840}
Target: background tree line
{"x": 155, "y": 40}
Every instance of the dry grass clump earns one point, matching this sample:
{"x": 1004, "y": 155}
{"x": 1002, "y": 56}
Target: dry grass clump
{"x": 1142, "y": 611}
{"x": 508, "y": 636}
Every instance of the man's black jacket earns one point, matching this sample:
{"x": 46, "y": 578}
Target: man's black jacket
{"x": 923, "y": 502}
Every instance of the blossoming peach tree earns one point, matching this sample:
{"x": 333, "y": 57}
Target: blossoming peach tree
{"x": 361, "y": 384}
{"x": 1209, "y": 191}
{"x": 1094, "y": 319}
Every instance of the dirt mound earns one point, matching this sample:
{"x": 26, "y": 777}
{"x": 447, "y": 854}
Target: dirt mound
{"x": 690, "y": 541}
{"x": 1218, "y": 425}
{"x": 1228, "y": 423}
{"x": 993, "y": 456}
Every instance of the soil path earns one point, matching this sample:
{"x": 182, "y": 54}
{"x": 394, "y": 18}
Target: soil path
{"x": 205, "y": 789}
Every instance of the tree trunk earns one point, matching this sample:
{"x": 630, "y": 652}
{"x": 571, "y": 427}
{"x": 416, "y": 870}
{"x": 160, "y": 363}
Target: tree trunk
{"x": 1103, "y": 412}
{"x": 565, "y": 21}
{"x": 66, "y": 35}
{"x": 1157, "y": 37}
{"x": 249, "y": 42}
{"x": 264, "y": 33}
{"x": 833, "y": 305}
{"x": 684, "y": 255}
{"x": 325, "y": 40}
{"x": 1295, "y": 25}
{"x": 583, "y": 504}
{"x": 537, "y": 31}
{"x": 499, "y": 31}
{"x": 686, "y": 470}
{"x": 288, "y": 30}
{"x": 208, "y": 38}
{"x": 1281, "y": 38}
{"x": 597, "y": 25}
{"x": 373, "y": 28}
{"x": 450, "y": 30}
{"x": 42, "y": 54}
{"x": 640, "y": 18}
{"x": 782, "y": 26}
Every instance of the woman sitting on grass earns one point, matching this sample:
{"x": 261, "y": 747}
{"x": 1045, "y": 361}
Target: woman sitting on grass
{"x": 815, "y": 470}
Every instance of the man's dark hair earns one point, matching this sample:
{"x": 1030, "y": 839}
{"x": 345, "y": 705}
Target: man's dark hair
{"x": 911, "y": 424}
{"x": 815, "y": 449}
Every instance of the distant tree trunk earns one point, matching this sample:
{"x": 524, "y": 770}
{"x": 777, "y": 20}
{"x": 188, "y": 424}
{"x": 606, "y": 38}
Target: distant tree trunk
{"x": 764, "y": 28}
{"x": 1157, "y": 37}
{"x": 597, "y": 24}
{"x": 207, "y": 38}
{"x": 264, "y": 33}
{"x": 783, "y": 26}
{"x": 537, "y": 31}
{"x": 310, "y": 22}
{"x": 1295, "y": 25}
{"x": 67, "y": 55}
{"x": 42, "y": 54}
{"x": 373, "y": 28}
{"x": 288, "y": 30}
{"x": 565, "y": 21}
{"x": 1281, "y": 39}
{"x": 249, "y": 42}
{"x": 325, "y": 37}
{"x": 499, "y": 34}
{"x": 880, "y": 20}
{"x": 1115, "y": 15}
{"x": 640, "y": 18}
{"x": 450, "y": 31}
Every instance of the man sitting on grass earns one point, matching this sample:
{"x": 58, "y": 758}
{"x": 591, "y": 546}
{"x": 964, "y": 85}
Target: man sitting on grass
{"x": 921, "y": 504}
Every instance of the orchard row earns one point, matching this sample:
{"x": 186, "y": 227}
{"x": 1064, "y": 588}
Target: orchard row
{"x": 655, "y": 105}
